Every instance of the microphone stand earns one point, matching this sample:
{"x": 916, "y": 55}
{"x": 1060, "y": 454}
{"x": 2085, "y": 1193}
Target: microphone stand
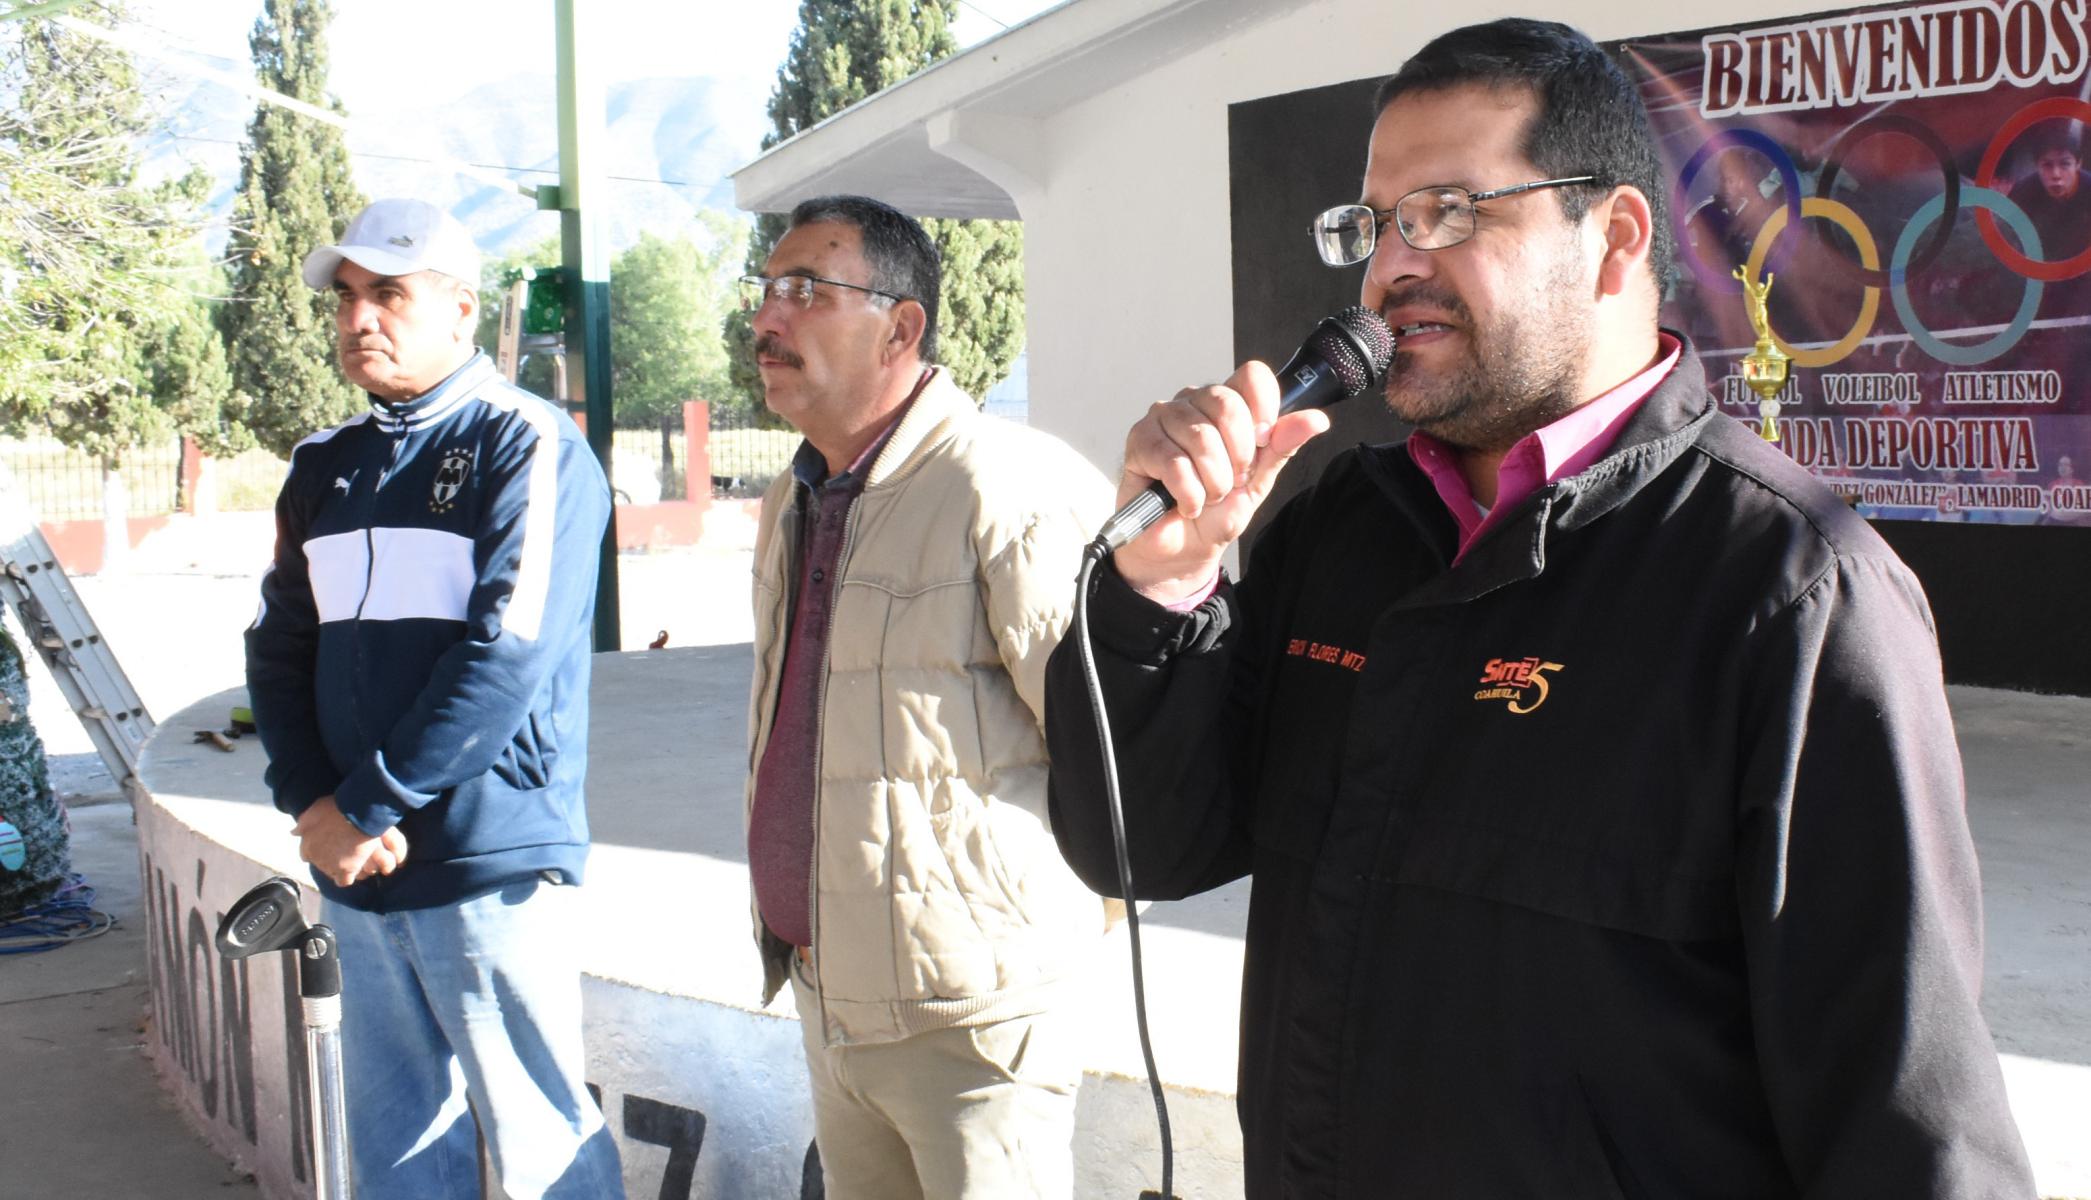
{"x": 268, "y": 919}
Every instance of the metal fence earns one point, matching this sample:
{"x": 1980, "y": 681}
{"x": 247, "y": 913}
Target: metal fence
{"x": 62, "y": 484}
{"x": 746, "y": 457}
{"x": 249, "y": 482}
{"x": 650, "y": 465}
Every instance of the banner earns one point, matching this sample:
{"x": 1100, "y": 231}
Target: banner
{"x": 1910, "y": 179}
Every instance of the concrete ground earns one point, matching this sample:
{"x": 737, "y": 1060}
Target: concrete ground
{"x": 78, "y": 1092}
{"x": 83, "y": 1114}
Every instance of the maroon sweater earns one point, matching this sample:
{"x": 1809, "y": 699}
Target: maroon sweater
{"x": 780, "y": 830}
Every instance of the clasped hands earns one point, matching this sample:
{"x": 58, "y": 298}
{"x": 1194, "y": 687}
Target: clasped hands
{"x": 342, "y": 852}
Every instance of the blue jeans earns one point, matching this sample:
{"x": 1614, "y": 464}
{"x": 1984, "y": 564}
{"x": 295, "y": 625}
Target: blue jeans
{"x": 478, "y": 1001}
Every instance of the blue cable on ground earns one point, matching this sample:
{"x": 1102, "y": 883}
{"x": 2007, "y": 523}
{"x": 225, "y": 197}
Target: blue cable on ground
{"x": 68, "y": 916}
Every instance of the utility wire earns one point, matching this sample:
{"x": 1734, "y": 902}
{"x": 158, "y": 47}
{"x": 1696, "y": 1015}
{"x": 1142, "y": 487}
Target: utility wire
{"x": 452, "y": 162}
{"x": 245, "y": 87}
{"x": 983, "y": 12}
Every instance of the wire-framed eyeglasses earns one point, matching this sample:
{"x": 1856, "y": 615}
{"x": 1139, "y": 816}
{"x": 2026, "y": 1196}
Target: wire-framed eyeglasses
{"x": 796, "y": 291}
{"x": 1429, "y": 218}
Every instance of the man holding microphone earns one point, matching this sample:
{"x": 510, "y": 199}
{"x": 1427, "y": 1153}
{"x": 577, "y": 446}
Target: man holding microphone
{"x": 1592, "y": 760}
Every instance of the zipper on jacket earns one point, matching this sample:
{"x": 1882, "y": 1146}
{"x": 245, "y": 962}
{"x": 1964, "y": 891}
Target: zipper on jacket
{"x": 370, "y": 555}
{"x": 370, "y": 549}
{"x": 849, "y": 529}
{"x": 820, "y": 711}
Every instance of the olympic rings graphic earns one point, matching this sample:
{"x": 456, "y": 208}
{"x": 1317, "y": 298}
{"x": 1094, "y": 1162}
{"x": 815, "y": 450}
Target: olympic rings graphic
{"x": 1789, "y": 180}
{"x": 1913, "y": 250}
{"x": 1949, "y": 173}
{"x": 1869, "y": 255}
{"x": 2039, "y": 110}
{"x": 1984, "y": 201}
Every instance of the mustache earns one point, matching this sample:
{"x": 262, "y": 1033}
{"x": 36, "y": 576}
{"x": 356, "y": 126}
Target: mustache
{"x": 349, "y": 346}
{"x": 1425, "y": 294}
{"x": 767, "y": 346}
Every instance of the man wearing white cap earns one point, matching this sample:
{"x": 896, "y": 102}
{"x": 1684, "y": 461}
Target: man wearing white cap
{"x": 419, "y": 674}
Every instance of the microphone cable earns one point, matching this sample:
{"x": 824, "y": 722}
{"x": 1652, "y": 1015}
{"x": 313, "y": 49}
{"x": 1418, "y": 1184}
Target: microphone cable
{"x": 1093, "y": 554}
{"x": 1345, "y": 354}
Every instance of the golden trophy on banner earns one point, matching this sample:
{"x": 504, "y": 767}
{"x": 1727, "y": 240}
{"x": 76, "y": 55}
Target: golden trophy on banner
{"x": 1765, "y": 367}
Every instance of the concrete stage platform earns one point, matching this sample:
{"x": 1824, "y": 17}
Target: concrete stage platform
{"x": 705, "y": 1089}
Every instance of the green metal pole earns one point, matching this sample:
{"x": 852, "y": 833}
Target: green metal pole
{"x": 587, "y": 263}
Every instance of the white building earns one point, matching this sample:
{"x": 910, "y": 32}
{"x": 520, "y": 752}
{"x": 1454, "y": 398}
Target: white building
{"x": 1104, "y": 125}
{"x": 1159, "y": 165}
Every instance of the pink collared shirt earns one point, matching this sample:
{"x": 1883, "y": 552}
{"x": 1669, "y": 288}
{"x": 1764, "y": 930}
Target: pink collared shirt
{"x": 1542, "y": 456}
{"x": 1539, "y": 458}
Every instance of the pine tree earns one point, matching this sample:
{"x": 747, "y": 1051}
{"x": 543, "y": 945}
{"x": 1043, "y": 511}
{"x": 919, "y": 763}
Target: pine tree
{"x": 296, "y": 192}
{"x": 88, "y": 285}
{"x": 84, "y": 240}
{"x": 189, "y": 377}
{"x": 843, "y": 51}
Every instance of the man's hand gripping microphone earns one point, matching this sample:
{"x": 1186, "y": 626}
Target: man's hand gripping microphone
{"x": 1345, "y": 355}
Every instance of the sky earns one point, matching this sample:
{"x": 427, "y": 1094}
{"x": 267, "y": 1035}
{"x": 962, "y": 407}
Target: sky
{"x": 433, "y": 50}
{"x": 439, "y": 49}
{"x": 391, "y": 60}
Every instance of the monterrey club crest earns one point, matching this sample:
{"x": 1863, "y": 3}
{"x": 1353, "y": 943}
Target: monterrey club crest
{"x": 451, "y": 475}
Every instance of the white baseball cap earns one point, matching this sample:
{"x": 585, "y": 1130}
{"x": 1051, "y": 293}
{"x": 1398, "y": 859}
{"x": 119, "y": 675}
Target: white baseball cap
{"x": 399, "y": 237}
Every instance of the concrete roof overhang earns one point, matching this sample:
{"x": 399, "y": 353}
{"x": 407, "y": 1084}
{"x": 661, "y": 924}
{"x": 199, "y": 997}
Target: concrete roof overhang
{"x": 962, "y": 137}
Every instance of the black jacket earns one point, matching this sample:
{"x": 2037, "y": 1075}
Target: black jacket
{"x": 1624, "y": 859}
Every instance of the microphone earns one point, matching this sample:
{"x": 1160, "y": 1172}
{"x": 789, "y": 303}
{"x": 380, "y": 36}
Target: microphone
{"x": 1345, "y": 354}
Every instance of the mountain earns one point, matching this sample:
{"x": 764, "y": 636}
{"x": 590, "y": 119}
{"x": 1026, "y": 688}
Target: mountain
{"x": 668, "y": 147}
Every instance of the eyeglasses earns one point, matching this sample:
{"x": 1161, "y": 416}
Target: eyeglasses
{"x": 796, "y": 291}
{"x": 1429, "y": 218}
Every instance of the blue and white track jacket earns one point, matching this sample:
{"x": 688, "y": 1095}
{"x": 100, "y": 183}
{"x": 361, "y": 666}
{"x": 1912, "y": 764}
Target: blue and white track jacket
{"x": 423, "y": 643}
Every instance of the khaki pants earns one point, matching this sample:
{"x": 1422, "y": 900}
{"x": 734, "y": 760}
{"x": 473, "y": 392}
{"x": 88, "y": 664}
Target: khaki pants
{"x": 986, "y": 1113}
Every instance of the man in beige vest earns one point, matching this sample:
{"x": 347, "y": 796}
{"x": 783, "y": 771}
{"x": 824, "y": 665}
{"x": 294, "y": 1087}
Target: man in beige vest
{"x": 913, "y": 571}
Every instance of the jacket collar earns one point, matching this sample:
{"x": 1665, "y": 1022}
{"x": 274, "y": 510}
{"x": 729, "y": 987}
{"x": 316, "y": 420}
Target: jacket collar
{"x": 1676, "y": 415}
{"x": 928, "y": 422}
{"x": 1672, "y": 418}
{"x": 436, "y": 403}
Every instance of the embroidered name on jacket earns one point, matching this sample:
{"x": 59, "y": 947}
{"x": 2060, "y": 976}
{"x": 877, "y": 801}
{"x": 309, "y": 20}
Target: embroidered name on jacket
{"x": 451, "y": 475}
{"x": 1323, "y": 652}
{"x": 1521, "y": 681}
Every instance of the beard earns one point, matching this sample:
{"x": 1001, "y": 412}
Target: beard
{"x": 1520, "y": 372}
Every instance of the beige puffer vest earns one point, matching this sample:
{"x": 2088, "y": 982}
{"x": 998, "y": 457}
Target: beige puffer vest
{"x": 941, "y": 899}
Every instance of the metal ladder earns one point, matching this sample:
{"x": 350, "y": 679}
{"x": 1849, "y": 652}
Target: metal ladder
{"x": 50, "y": 611}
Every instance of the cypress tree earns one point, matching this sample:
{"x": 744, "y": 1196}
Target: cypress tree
{"x": 296, "y": 192}
{"x": 188, "y": 375}
{"x": 843, "y": 51}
